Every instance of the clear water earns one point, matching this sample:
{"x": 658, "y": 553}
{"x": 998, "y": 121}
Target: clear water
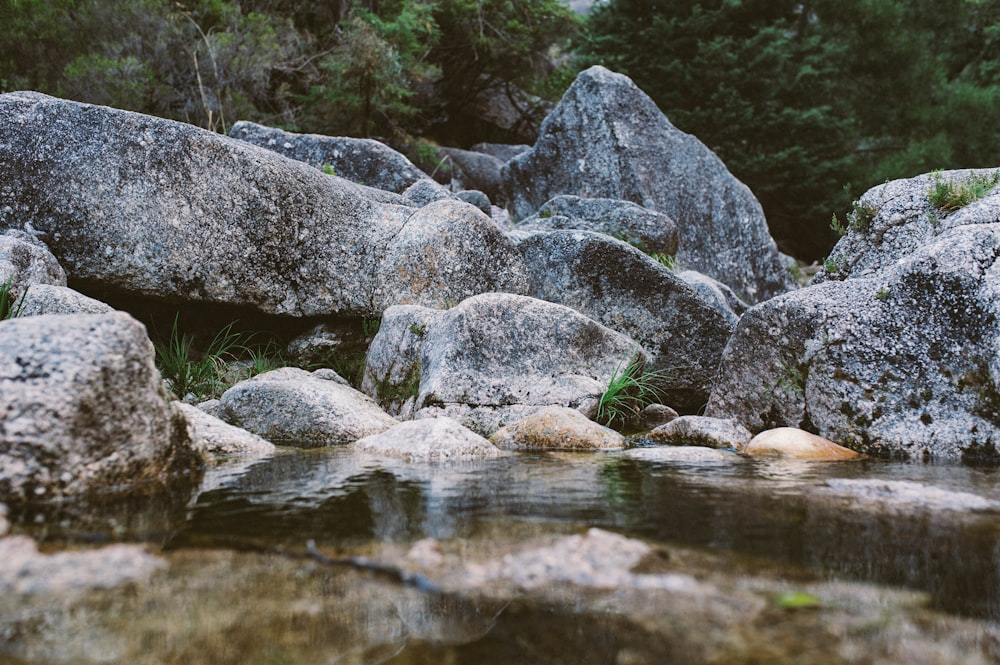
{"x": 759, "y": 520}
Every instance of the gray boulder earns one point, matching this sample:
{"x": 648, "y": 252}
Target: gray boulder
{"x": 212, "y": 437}
{"x": 717, "y": 294}
{"x": 290, "y": 406}
{"x": 154, "y": 207}
{"x": 897, "y": 359}
{"x": 25, "y": 261}
{"x": 648, "y": 230}
{"x": 607, "y": 139}
{"x": 625, "y": 290}
{"x": 83, "y": 408}
{"x": 493, "y": 359}
{"x": 425, "y": 191}
{"x": 363, "y": 161}
{"x": 446, "y": 252}
{"x": 502, "y": 151}
{"x": 51, "y": 299}
{"x": 428, "y": 440}
{"x": 475, "y": 170}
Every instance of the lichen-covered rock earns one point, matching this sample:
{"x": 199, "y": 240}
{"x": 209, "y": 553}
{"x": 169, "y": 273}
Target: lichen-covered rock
{"x": 82, "y": 408}
{"x": 625, "y": 290}
{"x": 152, "y": 207}
{"x": 493, "y": 359}
{"x": 364, "y": 161}
{"x": 607, "y": 139}
{"x": 648, "y": 230}
{"x": 428, "y": 440}
{"x": 51, "y": 299}
{"x": 25, "y": 261}
{"x": 557, "y": 428}
{"x": 897, "y": 359}
{"x": 702, "y": 431}
{"x": 290, "y": 406}
{"x": 393, "y": 362}
{"x": 794, "y": 443}
{"x": 447, "y": 251}
{"x": 211, "y": 436}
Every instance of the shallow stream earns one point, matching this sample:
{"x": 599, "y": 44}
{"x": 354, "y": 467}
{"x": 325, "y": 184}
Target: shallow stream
{"x": 325, "y": 556}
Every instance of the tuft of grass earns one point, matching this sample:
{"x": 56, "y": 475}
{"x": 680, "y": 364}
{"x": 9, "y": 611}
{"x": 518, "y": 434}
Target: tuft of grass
{"x": 669, "y": 261}
{"x": 951, "y": 195}
{"x": 190, "y": 373}
{"x": 329, "y": 170}
{"x": 630, "y": 390}
{"x": 883, "y": 293}
{"x": 10, "y": 307}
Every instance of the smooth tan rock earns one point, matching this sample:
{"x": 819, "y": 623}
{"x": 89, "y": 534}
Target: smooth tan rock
{"x": 429, "y": 440}
{"x": 557, "y": 428}
{"x": 794, "y": 443}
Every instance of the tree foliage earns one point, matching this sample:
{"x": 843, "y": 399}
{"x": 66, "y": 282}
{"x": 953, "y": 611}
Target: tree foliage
{"x": 811, "y": 102}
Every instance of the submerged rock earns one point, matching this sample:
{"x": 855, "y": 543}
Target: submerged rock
{"x": 607, "y": 139}
{"x": 794, "y": 443}
{"x": 428, "y": 440}
{"x": 291, "y": 406}
{"x": 896, "y": 359}
{"x": 84, "y": 408}
{"x": 493, "y": 359}
{"x": 557, "y": 428}
{"x": 26, "y": 571}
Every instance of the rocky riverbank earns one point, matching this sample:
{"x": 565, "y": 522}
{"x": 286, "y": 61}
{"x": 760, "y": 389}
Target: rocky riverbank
{"x": 486, "y": 314}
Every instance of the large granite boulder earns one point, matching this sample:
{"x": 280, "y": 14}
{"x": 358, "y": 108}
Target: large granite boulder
{"x": 290, "y": 406}
{"x": 160, "y": 208}
{"x": 607, "y": 139}
{"x": 82, "y": 408}
{"x": 617, "y": 285}
{"x": 648, "y": 230}
{"x": 894, "y": 351}
{"x": 492, "y": 360}
{"x": 364, "y": 161}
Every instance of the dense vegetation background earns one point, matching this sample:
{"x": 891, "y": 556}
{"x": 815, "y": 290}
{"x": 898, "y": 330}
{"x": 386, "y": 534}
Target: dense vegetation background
{"x": 808, "y": 102}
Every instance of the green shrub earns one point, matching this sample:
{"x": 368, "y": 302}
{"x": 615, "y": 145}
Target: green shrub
{"x": 951, "y": 195}
{"x": 629, "y": 391}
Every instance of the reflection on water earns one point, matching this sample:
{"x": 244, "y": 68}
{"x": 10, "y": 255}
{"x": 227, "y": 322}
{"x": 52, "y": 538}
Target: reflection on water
{"x": 772, "y": 512}
{"x": 224, "y": 601}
